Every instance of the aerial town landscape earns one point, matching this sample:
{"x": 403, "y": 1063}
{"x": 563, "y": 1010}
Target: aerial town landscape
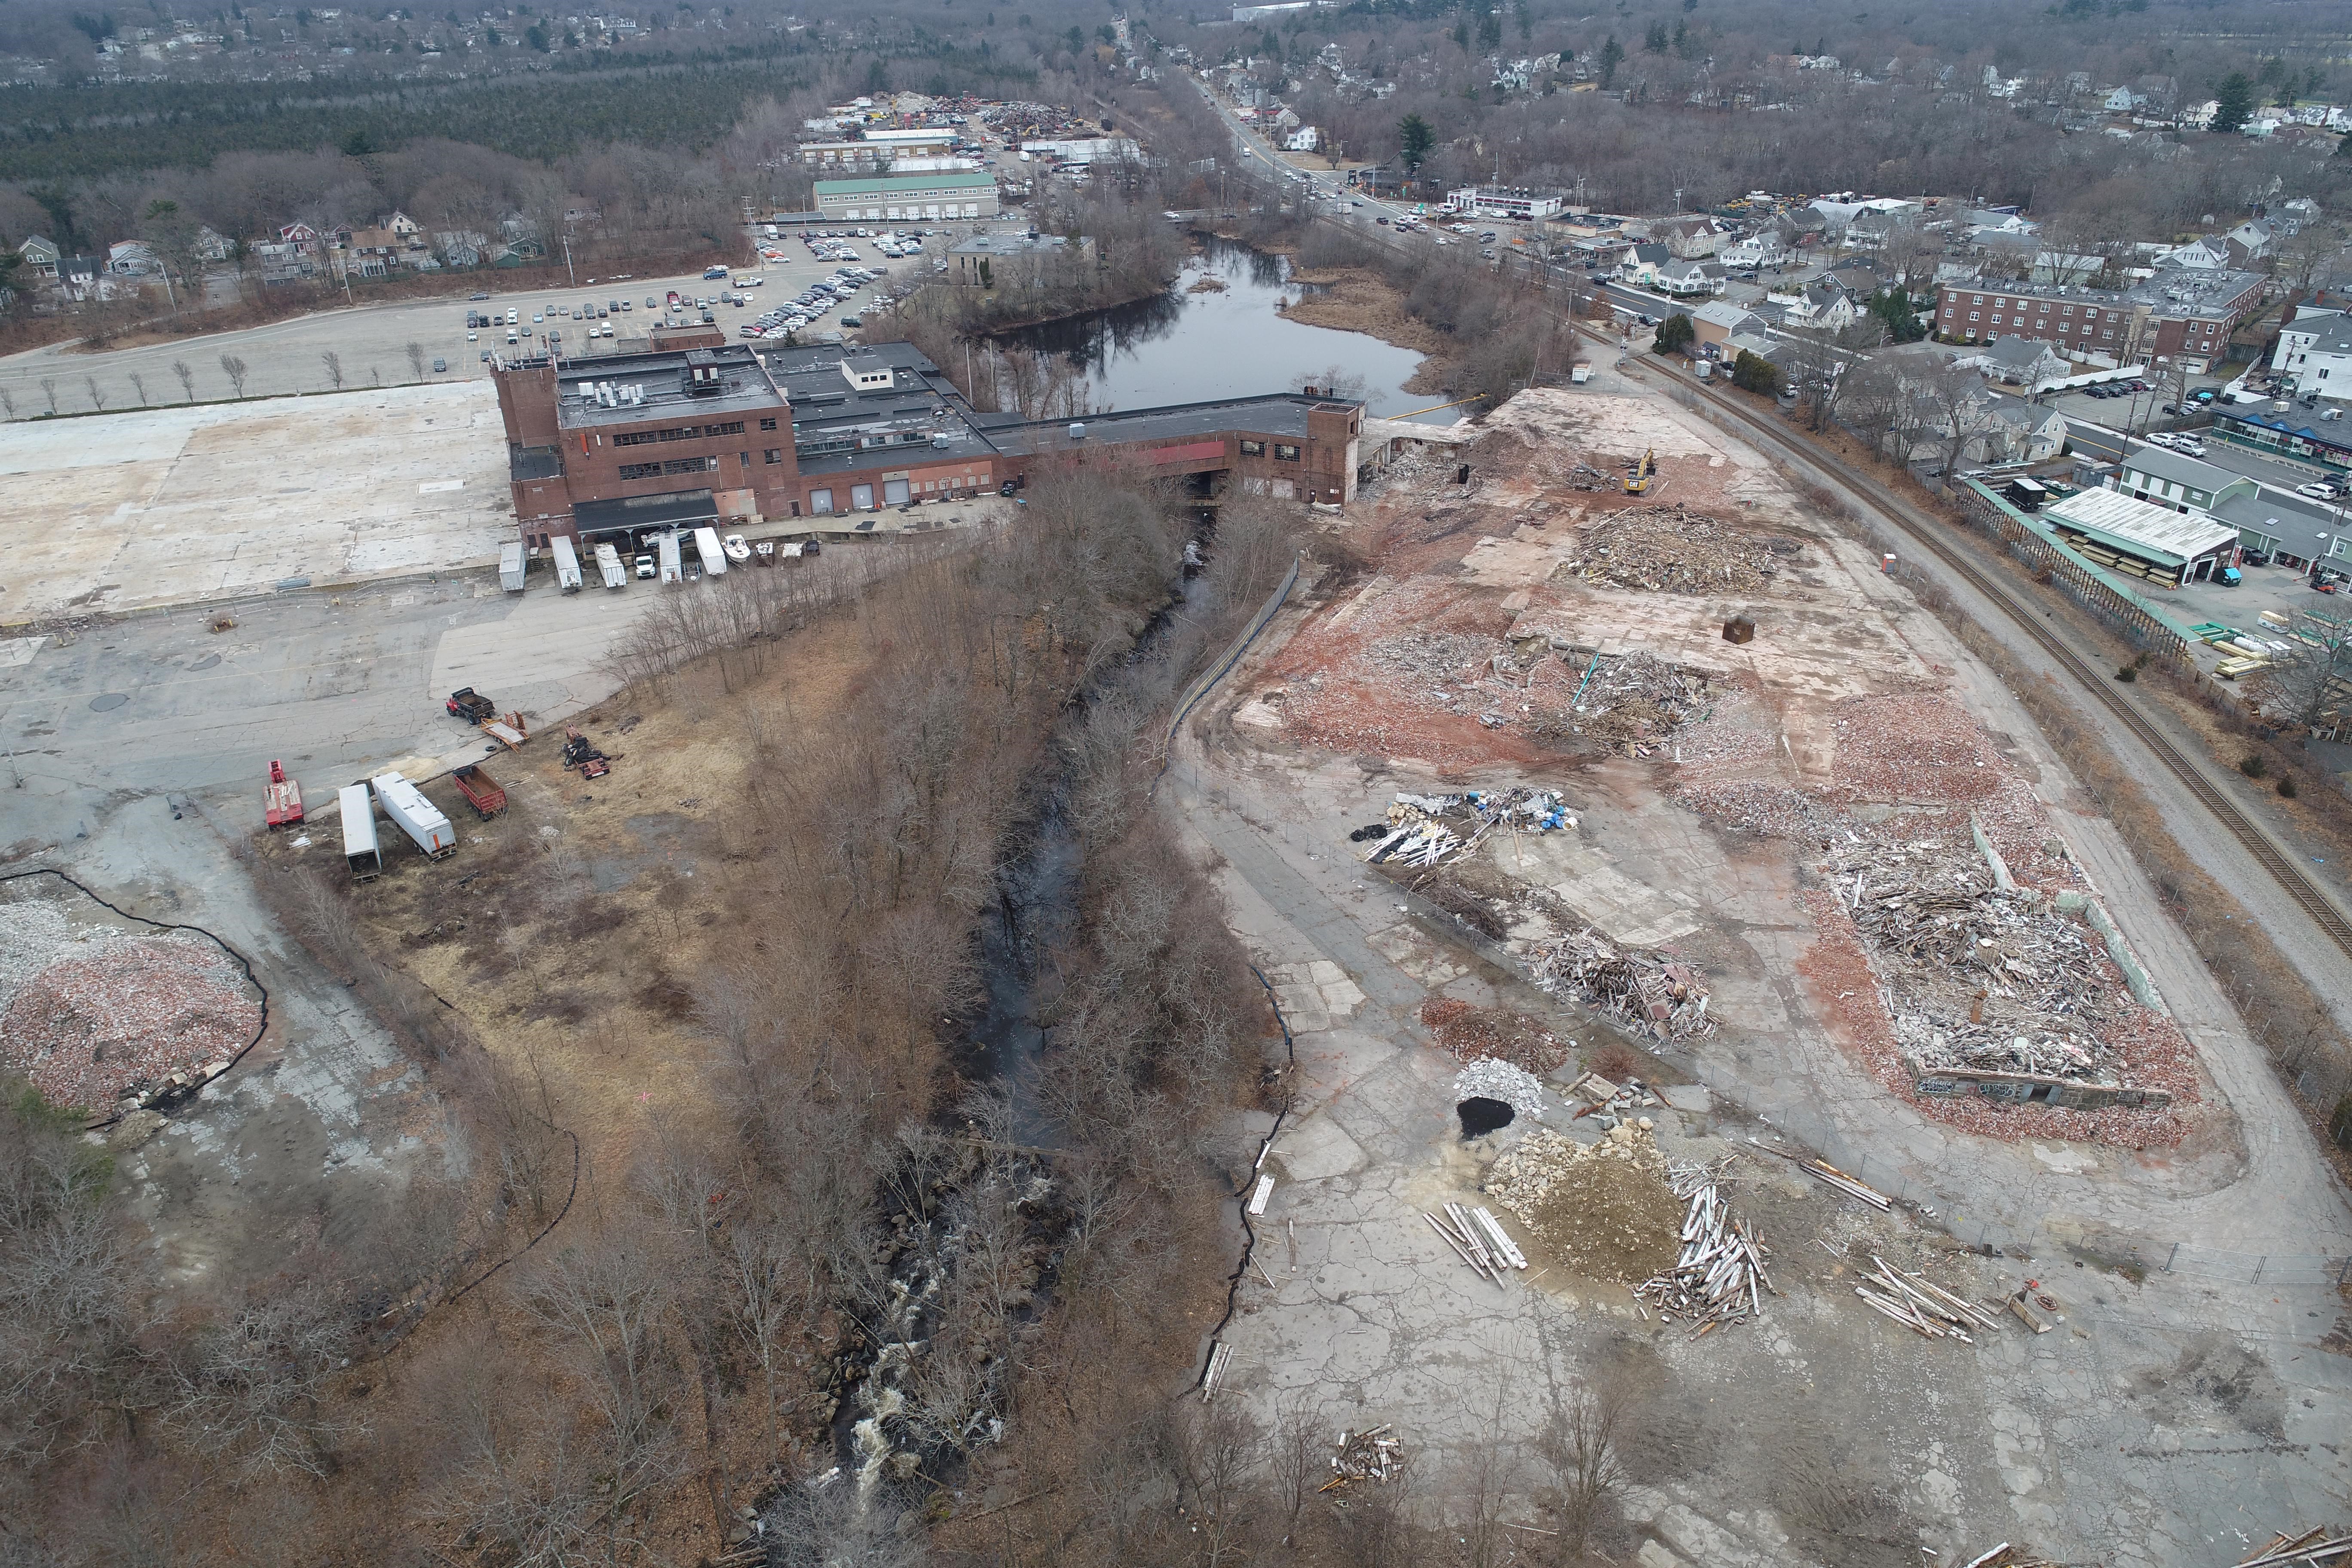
{"x": 1343, "y": 781}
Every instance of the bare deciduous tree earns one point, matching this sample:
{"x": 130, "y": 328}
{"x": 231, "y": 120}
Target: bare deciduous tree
{"x": 50, "y": 390}
{"x": 334, "y": 363}
{"x": 2314, "y": 676}
{"x": 416, "y": 360}
{"x": 234, "y": 368}
{"x": 255, "y": 1384}
{"x": 1579, "y": 1445}
{"x": 138, "y": 384}
{"x": 180, "y": 368}
{"x": 97, "y": 398}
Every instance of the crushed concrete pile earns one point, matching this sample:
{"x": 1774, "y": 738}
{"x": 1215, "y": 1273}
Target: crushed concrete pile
{"x": 94, "y": 1015}
{"x": 1763, "y": 806}
{"x": 1673, "y": 550}
{"x": 1665, "y": 999}
{"x": 1606, "y": 1211}
{"x": 1979, "y": 975}
{"x": 1471, "y": 1034}
{"x": 1916, "y": 747}
{"x": 1513, "y": 1086}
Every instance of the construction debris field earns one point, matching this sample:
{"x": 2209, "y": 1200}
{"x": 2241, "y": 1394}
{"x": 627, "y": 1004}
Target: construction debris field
{"x": 1824, "y": 881}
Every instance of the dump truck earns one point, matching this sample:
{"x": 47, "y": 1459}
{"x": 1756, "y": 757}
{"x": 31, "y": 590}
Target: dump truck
{"x": 482, "y": 792}
{"x": 671, "y": 572}
{"x": 510, "y": 566}
{"x": 281, "y": 798}
{"x": 567, "y": 564}
{"x": 705, "y": 546}
{"x": 361, "y": 851}
{"x": 608, "y": 564}
{"x": 470, "y": 705}
{"x": 417, "y": 817}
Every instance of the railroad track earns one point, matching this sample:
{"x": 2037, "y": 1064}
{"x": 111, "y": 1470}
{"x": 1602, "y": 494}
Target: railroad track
{"x": 2289, "y": 875}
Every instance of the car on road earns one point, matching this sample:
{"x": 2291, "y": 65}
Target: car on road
{"x": 480, "y": 296}
{"x": 2315, "y": 491}
{"x": 440, "y": 365}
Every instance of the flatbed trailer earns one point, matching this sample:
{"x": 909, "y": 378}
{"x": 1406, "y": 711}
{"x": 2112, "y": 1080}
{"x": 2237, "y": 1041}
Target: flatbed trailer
{"x": 281, "y": 798}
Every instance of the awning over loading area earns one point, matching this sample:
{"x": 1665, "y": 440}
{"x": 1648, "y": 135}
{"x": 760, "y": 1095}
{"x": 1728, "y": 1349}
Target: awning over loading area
{"x": 633, "y": 514}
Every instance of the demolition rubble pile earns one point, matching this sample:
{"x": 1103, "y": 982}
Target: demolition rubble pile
{"x": 1371, "y": 1456}
{"x": 1671, "y": 549}
{"x": 1977, "y": 975}
{"x": 1513, "y": 1086}
{"x": 1665, "y": 999}
{"x": 1428, "y": 829}
{"x": 1629, "y": 701}
{"x": 1719, "y": 1277}
{"x": 1470, "y": 1033}
{"x": 1605, "y": 1210}
{"x": 91, "y": 1014}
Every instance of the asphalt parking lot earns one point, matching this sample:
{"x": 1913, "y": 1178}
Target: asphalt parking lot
{"x": 372, "y": 343}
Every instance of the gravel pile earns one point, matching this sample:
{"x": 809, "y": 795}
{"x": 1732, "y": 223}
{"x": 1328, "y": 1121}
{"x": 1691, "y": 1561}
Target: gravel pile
{"x": 1607, "y": 1211}
{"x": 89, "y": 1012}
{"x": 1490, "y": 1080}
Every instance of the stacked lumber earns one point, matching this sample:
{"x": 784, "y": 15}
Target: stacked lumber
{"x": 1921, "y": 1305}
{"x": 1719, "y": 1277}
{"x": 1478, "y": 1238}
{"x": 2313, "y": 1546}
{"x": 2008, "y": 1556}
{"x": 1830, "y": 1175}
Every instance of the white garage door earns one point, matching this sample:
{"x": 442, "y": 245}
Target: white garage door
{"x": 861, "y": 498}
{"x": 820, "y": 502}
{"x": 894, "y": 492}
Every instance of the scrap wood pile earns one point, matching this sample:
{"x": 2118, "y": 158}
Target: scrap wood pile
{"x": 1427, "y": 829}
{"x": 1660, "y": 996}
{"x": 1673, "y": 550}
{"x": 2312, "y": 1546}
{"x": 1371, "y": 1455}
{"x": 1977, "y": 975}
{"x": 1719, "y": 1277}
{"x": 1921, "y": 1305}
{"x": 1477, "y": 1238}
{"x": 1629, "y": 700}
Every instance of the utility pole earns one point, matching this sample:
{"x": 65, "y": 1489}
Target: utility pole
{"x": 567, "y": 260}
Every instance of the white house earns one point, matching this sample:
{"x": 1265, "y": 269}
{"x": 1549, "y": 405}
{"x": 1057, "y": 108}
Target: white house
{"x": 2022, "y": 361}
{"x": 2297, "y": 336}
{"x": 1763, "y": 249}
{"x": 1689, "y": 279}
{"x": 1305, "y": 139}
{"x": 2206, "y": 255}
{"x": 2255, "y": 234}
{"x": 2200, "y": 116}
{"x": 2324, "y": 364}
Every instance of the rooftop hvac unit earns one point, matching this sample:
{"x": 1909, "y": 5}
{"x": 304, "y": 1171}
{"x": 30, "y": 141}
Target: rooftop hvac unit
{"x": 940, "y": 440}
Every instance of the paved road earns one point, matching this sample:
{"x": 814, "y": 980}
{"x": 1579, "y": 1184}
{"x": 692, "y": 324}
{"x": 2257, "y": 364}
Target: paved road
{"x": 373, "y": 341}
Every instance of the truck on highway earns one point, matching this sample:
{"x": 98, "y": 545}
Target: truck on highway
{"x": 671, "y": 572}
{"x": 510, "y": 565}
{"x": 608, "y": 565}
{"x": 714, "y": 559}
{"x": 361, "y": 851}
{"x": 567, "y": 564}
{"x": 416, "y": 816}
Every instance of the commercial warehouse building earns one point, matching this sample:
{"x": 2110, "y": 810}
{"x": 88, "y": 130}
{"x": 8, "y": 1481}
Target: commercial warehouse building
{"x": 2141, "y": 539}
{"x": 626, "y": 446}
{"x": 909, "y": 197}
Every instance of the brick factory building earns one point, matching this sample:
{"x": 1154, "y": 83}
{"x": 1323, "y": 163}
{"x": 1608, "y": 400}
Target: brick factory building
{"x": 2181, "y": 313}
{"x": 622, "y": 447}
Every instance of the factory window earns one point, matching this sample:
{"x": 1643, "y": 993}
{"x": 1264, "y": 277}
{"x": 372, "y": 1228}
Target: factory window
{"x": 774, "y": 454}
{"x": 1285, "y": 454}
{"x": 1253, "y": 449}
{"x": 767, "y": 423}
{"x": 689, "y": 465}
{"x": 641, "y": 470}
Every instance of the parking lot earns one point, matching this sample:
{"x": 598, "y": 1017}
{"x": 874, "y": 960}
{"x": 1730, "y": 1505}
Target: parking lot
{"x": 384, "y": 346}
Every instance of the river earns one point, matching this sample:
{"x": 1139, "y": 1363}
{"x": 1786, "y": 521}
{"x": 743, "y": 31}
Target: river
{"x": 1187, "y": 347}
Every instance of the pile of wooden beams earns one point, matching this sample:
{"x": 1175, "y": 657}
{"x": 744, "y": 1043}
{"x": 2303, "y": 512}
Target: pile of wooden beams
{"x": 1478, "y": 1238}
{"x": 1830, "y": 1175}
{"x": 1371, "y": 1455}
{"x": 1919, "y": 1304}
{"x": 1720, "y": 1277}
{"x": 2316, "y": 1547}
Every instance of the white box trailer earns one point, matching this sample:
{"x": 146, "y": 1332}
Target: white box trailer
{"x": 567, "y": 564}
{"x": 1581, "y": 374}
{"x": 510, "y": 566}
{"x": 671, "y": 571}
{"x": 705, "y": 545}
{"x": 360, "y": 850}
{"x": 417, "y": 817}
{"x": 608, "y": 564}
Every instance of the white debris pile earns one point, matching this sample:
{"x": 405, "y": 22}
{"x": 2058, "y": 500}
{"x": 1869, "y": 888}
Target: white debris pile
{"x": 1499, "y": 1080}
{"x": 1922, "y": 1306}
{"x": 1425, "y": 829}
{"x": 1371, "y": 1456}
{"x": 1664, "y": 997}
{"x": 1719, "y": 1277}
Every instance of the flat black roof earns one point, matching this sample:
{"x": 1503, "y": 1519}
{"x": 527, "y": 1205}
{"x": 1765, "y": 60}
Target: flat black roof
{"x": 533, "y": 462}
{"x": 661, "y": 375}
{"x": 675, "y": 509}
{"x": 1276, "y": 414}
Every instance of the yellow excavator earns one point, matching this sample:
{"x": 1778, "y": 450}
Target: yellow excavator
{"x": 1637, "y": 482}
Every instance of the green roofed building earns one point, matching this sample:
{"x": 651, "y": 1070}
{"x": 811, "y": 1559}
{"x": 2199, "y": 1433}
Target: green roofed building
{"x": 908, "y": 197}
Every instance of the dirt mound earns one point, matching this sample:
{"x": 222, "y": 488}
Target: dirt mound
{"x": 1673, "y": 550}
{"x": 126, "y": 1014}
{"x": 1605, "y": 1212}
{"x": 1470, "y": 1033}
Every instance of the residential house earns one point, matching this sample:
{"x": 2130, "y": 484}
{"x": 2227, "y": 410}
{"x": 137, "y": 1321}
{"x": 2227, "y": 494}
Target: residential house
{"x": 212, "y": 245}
{"x": 402, "y": 226}
{"x": 2323, "y": 362}
{"x": 132, "y": 258}
{"x": 1688, "y": 279}
{"x": 2253, "y": 238}
{"x": 1762, "y": 249}
{"x": 2123, "y": 100}
{"x": 1688, "y": 239}
{"x": 1305, "y": 139}
{"x": 461, "y": 248}
{"x": 40, "y": 256}
{"x": 2023, "y": 361}
{"x": 1718, "y": 322}
{"x": 2209, "y": 254}
{"x": 301, "y": 236}
{"x": 1640, "y": 264}
{"x": 2303, "y": 327}
{"x": 1820, "y": 305}
{"x": 2022, "y": 432}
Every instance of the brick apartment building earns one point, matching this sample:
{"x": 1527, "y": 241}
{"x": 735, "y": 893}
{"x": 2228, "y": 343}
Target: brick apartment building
{"x": 2181, "y": 314}
{"x": 622, "y": 447}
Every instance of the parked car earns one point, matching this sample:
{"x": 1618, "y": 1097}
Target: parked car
{"x": 2316, "y": 491}
{"x": 440, "y": 365}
